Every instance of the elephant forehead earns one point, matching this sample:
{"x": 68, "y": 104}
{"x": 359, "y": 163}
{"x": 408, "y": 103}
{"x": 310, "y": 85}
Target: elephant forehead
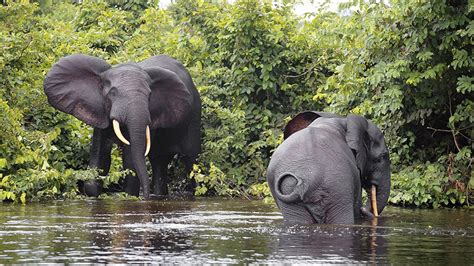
{"x": 127, "y": 73}
{"x": 127, "y": 66}
{"x": 126, "y": 84}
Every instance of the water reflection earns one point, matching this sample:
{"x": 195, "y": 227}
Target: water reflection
{"x": 224, "y": 231}
{"x": 332, "y": 243}
{"x": 133, "y": 231}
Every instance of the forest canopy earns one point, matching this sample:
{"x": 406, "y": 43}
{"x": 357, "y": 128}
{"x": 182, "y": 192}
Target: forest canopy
{"x": 407, "y": 66}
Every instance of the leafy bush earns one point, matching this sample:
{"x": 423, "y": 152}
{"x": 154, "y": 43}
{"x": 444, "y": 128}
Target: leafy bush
{"x": 426, "y": 185}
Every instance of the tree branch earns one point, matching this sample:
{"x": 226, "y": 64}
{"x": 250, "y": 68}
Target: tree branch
{"x": 452, "y": 131}
{"x": 302, "y": 74}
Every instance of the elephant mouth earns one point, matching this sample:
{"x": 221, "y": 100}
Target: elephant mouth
{"x": 118, "y": 133}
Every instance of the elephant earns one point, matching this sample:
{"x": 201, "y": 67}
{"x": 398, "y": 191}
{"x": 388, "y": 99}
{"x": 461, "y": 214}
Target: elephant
{"x": 316, "y": 175}
{"x": 148, "y": 108}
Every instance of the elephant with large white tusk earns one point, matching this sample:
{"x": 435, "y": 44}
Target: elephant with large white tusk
{"x": 317, "y": 174}
{"x": 150, "y": 108}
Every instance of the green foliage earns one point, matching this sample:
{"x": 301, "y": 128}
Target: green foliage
{"x": 118, "y": 196}
{"x": 408, "y": 67}
{"x": 426, "y": 185}
{"x": 262, "y": 190}
{"x": 32, "y": 184}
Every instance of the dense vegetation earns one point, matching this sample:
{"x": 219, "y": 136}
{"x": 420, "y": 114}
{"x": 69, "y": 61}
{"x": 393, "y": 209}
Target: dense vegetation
{"x": 408, "y": 66}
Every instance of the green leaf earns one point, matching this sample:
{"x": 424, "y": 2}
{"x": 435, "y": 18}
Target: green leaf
{"x": 424, "y": 55}
{"x": 465, "y": 84}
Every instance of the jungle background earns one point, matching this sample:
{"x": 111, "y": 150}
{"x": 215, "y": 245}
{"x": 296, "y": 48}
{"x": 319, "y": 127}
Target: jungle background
{"x": 406, "y": 65}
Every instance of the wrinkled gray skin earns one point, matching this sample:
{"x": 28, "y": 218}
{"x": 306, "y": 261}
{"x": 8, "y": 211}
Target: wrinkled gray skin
{"x": 157, "y": 92}
{"x": 317, "y": 174}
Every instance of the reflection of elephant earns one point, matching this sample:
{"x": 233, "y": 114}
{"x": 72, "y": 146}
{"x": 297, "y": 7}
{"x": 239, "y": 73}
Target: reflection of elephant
{"x": 317, "y": 173}
{"x": 137, "y": 232}
{"x": 154, "y": 104}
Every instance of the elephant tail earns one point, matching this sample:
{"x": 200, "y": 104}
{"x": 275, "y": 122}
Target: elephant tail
{"x": 289, "y": 188}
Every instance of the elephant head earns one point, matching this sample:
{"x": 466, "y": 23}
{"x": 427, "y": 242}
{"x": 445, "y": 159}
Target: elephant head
{"x": 131, "y": 97}
{"x": 370, "y": 152}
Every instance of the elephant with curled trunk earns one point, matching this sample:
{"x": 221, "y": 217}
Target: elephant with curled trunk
{"x": 151, "y": 107}
{"x": 317, "y": 174}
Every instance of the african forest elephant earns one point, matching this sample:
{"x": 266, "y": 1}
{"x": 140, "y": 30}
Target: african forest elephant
{"x": 151, "y": 106}
{"x": 317, "y": 174}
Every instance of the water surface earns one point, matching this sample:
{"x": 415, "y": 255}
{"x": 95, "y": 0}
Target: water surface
{"x": 224, "y": 231}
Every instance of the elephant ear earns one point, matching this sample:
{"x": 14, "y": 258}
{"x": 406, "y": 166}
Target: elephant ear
{"x": 303, "y": 120}
{"x": 74, "y": 86}
{"x": 358, "y": 140}
{"x": 300, "y": 121}
{"x": 170, "y": 100}
{"x": 377, "y": 140}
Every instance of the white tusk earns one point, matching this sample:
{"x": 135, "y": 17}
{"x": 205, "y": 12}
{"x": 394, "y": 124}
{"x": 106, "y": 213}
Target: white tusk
{"x": 118, "y": 132}
{"x": 148, "y": 140}
{"x": 373, "y": 201}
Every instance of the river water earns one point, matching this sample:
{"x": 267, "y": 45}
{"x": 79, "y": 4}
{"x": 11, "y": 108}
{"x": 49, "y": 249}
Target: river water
{"x": 224, "y": 231}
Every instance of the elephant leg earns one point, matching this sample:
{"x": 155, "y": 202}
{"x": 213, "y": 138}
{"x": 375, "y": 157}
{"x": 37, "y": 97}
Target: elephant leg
{"x": 340, "y": 207}
{"x": 131, "y": 184}
{"x": 341, "y": 215}
{"x": 100, "y": 158}
{"x": 296, "y": 213}
{"x": 188, "y": 166}
{"x": 160, "y": 174}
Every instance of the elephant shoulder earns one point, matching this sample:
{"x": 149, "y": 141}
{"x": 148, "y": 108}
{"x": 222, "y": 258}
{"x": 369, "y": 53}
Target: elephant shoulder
{"x": 172, "y": 65}
{"x": 158, "y": 61}
{"x": 163, "y": 61}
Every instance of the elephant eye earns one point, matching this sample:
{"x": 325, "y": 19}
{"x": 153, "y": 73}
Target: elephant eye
{"x": 381, "y": 158}
{"x": 112, "y": 92}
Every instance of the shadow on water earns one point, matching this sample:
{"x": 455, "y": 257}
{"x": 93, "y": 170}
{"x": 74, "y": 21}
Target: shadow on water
{"x": 224, "y": 231}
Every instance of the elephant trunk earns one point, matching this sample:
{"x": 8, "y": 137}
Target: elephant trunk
{"x": 138, "y": 130}
{"x": 382, "y": 194}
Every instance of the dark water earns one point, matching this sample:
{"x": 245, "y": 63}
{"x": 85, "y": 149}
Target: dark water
{"x": 224, "y": 231}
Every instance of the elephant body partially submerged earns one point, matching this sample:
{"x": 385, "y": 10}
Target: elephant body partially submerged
{"x": 148, "y": 107}
{"x": 317, "y": 174}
